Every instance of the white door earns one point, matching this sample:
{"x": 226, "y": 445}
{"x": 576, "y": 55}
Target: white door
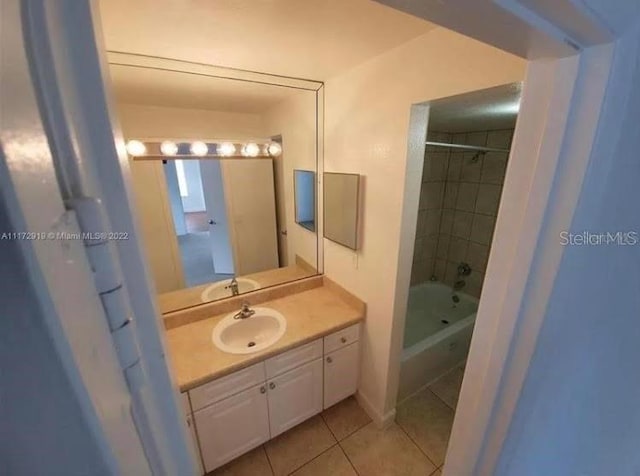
{"x": 251, "y": 207}
{"x": 233, "y": 426}
{"x": 295, "y": 396}
{"x": 214, "y": 199}
{"x": 341, "y": 374}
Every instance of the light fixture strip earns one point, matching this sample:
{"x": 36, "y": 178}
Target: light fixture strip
{"x": 199, "y": 149}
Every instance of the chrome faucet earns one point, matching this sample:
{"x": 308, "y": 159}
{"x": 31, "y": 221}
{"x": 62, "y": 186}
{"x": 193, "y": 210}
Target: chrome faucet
{"x": 245, "y": 312}
{"x": 233, "y": 285}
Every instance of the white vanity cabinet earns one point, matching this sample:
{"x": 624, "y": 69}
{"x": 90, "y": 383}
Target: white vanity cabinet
{"x": 341, "y": 362}
{"x": 240, "y": 411}
{"x": 233, "y": 426}
{"x": 295, "y": 397}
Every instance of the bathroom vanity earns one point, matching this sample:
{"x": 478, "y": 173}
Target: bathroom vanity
{"x": 235, "y": 402}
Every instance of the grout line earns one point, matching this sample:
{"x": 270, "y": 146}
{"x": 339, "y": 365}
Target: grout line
{"x": 349, "y": 459}
{"x": 273, "y": 471}
{"x": 416, "y": 444}
{"x": 312, "y": 459}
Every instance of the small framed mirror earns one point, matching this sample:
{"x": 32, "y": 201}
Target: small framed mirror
{"x": 304, "y": 184}
{"x": 341, "y": 204}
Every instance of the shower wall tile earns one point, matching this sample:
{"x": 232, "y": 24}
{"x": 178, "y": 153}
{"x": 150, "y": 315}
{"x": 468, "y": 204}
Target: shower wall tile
{"x": 482, "y": 229}
{"x": 477, "y": 257}
{"x": 467, "y": 194}
{"x": 458, "y": 205}
{"x": 450, "y": 195}
{"x": 439, "y": 162}
{"x": 443, "y": 246}
{"x": 488, "y": 198}
{"x": 459, "y": 138}
{"x": 446, "y": 223}
{"x": 455, "y": 166}
{"x": 500, "y": 139}
{"x": 477, "y": 138}
{"x": 471, "y": 170}
{"x": 462, "y": 222}
{"x": 457, "y": 249}
{"x": 432, "y": 222}
{"x": 440, "y": 268}
{"x": 494, "y": 167}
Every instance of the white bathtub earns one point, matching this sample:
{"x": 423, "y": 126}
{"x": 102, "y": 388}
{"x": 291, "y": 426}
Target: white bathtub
{"x": 437, "y": 335}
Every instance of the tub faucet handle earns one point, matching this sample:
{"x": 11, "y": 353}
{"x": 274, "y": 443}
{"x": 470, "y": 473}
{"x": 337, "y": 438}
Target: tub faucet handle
{"x": 464, "y": 269}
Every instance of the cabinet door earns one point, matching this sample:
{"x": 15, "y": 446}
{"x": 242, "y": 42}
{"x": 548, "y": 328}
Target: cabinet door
{"x": 233, "y": 426}
{"x": 295, "y": 396}
{"x": 341, "y": 374}
{"x": 194, "y": 440}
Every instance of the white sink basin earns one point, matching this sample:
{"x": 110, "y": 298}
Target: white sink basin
{"x": 253, "y": 334}
{"x": 219, "y": 290}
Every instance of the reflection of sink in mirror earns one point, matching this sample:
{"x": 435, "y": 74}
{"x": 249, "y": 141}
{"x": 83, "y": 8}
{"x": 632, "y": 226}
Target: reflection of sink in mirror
{"x": 221, "y": 289}
{"x": 236, "y": 335}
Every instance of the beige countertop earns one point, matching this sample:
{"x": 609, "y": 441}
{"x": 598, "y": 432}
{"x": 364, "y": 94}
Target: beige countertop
{"x": 310, "y": 315}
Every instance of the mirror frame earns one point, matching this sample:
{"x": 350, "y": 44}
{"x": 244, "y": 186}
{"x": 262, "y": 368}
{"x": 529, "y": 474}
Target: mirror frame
{"x": 215, "y": 71}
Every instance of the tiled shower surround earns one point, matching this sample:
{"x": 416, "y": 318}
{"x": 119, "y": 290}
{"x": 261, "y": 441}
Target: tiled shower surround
{"x": 459, "y": 202}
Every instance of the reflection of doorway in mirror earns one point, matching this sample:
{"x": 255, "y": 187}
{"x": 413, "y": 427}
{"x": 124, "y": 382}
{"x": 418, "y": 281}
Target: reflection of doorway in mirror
{"x": 224, "y": 217}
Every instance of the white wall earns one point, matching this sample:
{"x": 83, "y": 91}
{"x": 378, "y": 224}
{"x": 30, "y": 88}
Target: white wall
{"x": 366, "y": 131}
{"x": 295, "y": 121}
{"x": 158, "y": 235}
{"x": 147, "y": 122}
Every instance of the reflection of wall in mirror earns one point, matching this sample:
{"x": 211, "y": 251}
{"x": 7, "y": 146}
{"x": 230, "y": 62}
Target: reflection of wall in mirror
{"x": 157, "y": 224}
{"x": 294, "y": 119}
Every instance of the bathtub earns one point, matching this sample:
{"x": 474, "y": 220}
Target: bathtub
{"x": 437, "y": 335}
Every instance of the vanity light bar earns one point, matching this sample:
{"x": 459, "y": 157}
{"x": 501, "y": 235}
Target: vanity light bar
{"x": 199, "y": 149}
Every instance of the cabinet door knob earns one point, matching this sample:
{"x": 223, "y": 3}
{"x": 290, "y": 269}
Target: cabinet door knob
{"x": 272, "y": 385}
{"x": 343, "y": 339}
{"x": 263, "y": 389}
{"x": 329, "y": 360}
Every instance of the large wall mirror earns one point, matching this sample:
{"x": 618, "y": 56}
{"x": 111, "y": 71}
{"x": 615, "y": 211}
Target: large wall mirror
{"x": 213, "y": 154}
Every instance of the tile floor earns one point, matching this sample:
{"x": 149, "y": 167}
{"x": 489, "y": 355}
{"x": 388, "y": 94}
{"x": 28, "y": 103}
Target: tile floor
{"x": 342, "y": 441}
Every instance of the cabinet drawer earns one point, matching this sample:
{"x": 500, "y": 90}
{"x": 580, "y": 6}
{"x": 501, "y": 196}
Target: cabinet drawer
{"x": 294, "y": 358}
{"x": 341, "y": 338}
{"x": 223, "y": 387}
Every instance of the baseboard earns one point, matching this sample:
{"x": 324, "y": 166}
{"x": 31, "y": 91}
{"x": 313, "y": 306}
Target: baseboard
{"x": 380, "y": 420}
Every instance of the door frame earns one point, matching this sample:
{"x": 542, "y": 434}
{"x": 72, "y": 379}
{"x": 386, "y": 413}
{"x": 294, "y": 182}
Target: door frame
{"x": 554, "y": 137}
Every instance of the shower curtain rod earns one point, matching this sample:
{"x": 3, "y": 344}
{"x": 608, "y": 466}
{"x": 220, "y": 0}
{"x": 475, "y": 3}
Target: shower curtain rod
{"x": 466, "y": 147}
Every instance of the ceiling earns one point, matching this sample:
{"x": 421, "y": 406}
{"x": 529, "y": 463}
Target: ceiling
{"x": 488, "y": 109}
{"x": 155, "y": 87}
{"x": 311, "y": 39}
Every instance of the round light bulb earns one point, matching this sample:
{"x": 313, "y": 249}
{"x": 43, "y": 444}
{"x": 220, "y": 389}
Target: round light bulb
{"x": 136, "y": 148}
{"x": 199, "y": 148}
{"x": 169, "y": 148}
{"x": 251, "y": 150}
{"x": 226, "y": 149}
{"x": 274, "y": 149}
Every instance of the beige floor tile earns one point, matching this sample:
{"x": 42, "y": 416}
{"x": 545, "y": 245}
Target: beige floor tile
{"x": 253, "y": 463}
{"x": 427, "y": 420}
{"x": 345, "y": 417}
{"x": 437, "y": 473}
{"x": 299, "y": 445}
{"x": 388, "y": 452}
{"x": 332, "y": 462}
{"x": 448, "y": 386}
